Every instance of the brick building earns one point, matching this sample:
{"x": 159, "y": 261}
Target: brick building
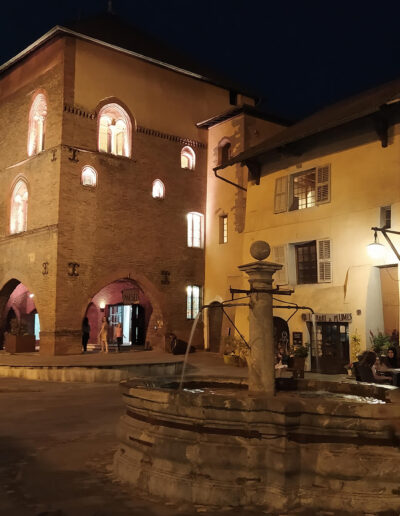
{"x": 103, "y": 177}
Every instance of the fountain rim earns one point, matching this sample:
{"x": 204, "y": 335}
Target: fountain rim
{"x": 159, "y": 389}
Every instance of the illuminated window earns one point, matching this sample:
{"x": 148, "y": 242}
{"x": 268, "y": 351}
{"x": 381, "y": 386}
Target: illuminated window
{"x": 115, "y": 130}
{"x": 223, "y": 229}
{"x": 19, "y": 208}
{"x": 158, "y": 191}
{"x": 188, "y": 158}
{"x": 89, "y": 176}
{"x": 37, "y": 124}
{"x": 194, "y": 229}
{"x": 302, "y": 190}
{"x": 192, "y": 301}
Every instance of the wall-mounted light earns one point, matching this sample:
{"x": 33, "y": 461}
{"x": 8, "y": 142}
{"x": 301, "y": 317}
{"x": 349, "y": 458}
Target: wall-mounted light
{"x": 102, "y": 305}
{"x": 31, "y": 295}
{"x": 376, "y": 250}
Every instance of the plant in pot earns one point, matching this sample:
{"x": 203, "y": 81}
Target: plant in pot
{"x": 17, "y": 340}
{"x": 379, "y": 342}
{"x": 355, "y": 350}
{"x": 236, "y": 351}
{"x": 298, "y": 356}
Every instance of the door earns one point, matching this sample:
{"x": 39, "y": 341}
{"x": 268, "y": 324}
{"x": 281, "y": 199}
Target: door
{"x": 215, "y": 326}
{"x": 333, "y": 342}
{"x": 138, "y": 325}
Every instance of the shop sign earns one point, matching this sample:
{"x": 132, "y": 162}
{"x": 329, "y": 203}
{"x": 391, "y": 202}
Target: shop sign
{"x": 329, "y": 318}
{"x": 131, "y": 296}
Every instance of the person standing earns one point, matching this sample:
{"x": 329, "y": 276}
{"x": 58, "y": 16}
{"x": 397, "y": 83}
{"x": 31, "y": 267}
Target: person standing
{"x": 118, "y": 335}
{"x": 85, "y": 333}
{"x": 103, "y": 335}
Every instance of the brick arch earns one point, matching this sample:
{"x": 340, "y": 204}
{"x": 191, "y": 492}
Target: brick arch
{"x": 156, "y": 336}
{"x": 6, "y": 290}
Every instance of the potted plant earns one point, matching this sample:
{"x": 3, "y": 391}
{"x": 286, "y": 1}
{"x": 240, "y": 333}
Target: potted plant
{"x": 297, "y": 359}
{"x": 17, "y": 340}
{"x": 379, "y": 342}
{"x": 236, "y": 351}
{"x": 355, "y": 350}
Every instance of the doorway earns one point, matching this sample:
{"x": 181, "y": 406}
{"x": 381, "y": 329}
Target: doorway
{"x": 333, "y": 347}
{"x": 215, "y": 315}
{"x": 132, "y": 318}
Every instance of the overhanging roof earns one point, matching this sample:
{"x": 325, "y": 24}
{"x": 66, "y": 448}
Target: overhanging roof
{"x": 110, "y": 31}
{"x": 338, "y": 114}
{"x": 245, "y": 109}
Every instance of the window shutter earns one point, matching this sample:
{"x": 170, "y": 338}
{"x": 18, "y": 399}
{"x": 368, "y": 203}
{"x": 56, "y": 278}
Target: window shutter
{"x": 281, "y": 194}
{"x": 323, "y": 186}
{"x": 279, "y": 256}
{"x": 324, "y": 261}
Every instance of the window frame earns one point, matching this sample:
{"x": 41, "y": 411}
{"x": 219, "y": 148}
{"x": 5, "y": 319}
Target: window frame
{"x": 191, "y": 218}
{"x": 17, "y": 182}
{"x": 322, "y": 272}
{"x": 223, "y": 229}
{"x": 115, "y": 114}
{"x": 92, "y": 169}
{"x": 190, "y": 155}
{"x": 191, "y": 302}
{"x": 37, "y": 123}
{"x": 155, "y": 183}
{"x": 284, "y": 189}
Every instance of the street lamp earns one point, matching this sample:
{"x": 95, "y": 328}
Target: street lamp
{"x": 377, "y": 250}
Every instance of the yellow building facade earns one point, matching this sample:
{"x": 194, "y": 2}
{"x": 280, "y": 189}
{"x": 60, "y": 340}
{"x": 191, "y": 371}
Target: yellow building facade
{"x": 315, "y": 190}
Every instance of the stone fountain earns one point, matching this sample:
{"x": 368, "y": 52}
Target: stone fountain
{"x": 224, "y": 442}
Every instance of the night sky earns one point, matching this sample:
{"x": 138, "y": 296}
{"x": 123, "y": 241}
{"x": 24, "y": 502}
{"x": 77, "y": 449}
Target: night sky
{"x": 299, "y": 55}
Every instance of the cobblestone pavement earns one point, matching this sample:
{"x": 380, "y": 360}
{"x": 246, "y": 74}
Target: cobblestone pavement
{"x": 56, "y": 446}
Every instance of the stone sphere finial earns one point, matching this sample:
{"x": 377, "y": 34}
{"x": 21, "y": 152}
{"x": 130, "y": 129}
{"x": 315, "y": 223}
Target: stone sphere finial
{"x": 260, "y": 250}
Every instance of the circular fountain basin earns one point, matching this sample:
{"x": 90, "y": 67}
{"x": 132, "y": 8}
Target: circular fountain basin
{"x": 316, "y": 445}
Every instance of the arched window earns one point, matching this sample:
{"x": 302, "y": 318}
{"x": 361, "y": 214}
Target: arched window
{"x": 89, "y": 176}
{"x": 188, "y": 158}
{"x": 115, "y": 130}
{"x": 37, "y": 124}
{"x": 19, "y": 208}
{"x": 224, "y": 151}
{"x": 158, "y": 191}
{"x": 195, "y": 229}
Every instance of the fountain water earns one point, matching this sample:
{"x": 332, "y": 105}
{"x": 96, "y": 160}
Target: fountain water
{"x": 228, "y": 443}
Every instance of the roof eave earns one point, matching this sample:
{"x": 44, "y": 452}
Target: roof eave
{"x": 58, "y": 29}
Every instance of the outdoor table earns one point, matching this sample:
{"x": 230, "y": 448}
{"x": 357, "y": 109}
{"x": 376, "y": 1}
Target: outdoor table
{"x": 395, "y": 374}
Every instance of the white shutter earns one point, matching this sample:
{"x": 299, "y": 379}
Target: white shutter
{"x": 279, "y": 256}
{"x": 323, "y": 186}
{"x": 281, "y": 194}
{"x": 324, "y": 261}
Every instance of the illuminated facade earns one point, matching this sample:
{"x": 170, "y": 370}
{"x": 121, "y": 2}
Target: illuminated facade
{"x": 94, "y": 145}
{"x": 314, "y": 191}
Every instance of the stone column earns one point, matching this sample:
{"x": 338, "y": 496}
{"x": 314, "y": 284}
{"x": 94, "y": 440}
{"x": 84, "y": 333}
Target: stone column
{"x": 261, "y": 360}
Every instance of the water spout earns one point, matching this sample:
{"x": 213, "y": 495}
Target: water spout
{"x": 196, "y": 320}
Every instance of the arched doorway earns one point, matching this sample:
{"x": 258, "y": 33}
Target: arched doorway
{"x": 215, "y": 315}
{"x": 281, "y": 334}
{"x": 18, "y": 314}
{"x": 122, "y": 301}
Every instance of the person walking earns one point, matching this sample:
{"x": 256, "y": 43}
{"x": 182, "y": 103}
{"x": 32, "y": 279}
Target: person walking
{"x": 103, "y": 335}
{"x": 85, "y": 333}
{"x": 118, "y": 335}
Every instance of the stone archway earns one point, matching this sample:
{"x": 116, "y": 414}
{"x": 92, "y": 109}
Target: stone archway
{"x": 18, "y": 311}
{"x": 281, "y": 333}
{"x": 125, "y": 301}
